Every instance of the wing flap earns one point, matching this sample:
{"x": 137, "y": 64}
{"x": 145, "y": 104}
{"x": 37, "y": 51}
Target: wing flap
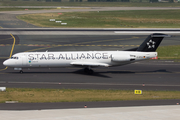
{"x": 89, "y": 64}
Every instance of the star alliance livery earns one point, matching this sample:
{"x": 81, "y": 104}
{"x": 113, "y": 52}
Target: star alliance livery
{"x": 86, "y": 59}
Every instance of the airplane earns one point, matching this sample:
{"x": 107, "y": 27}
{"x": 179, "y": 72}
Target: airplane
{"x": 86, "y": 59}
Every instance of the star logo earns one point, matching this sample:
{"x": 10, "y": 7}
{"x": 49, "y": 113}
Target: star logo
{"x": 151, "y": 44}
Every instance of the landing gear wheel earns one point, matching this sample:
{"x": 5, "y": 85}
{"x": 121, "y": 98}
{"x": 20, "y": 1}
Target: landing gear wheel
{"x": 88, "y": 71}
{"x": 21, "y": 71}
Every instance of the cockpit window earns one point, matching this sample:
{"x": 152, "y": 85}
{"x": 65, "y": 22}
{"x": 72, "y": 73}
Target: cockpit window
{"x": 14, "y": 57}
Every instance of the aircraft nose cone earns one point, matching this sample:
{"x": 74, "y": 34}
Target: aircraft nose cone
{"x": 5, "y": 63}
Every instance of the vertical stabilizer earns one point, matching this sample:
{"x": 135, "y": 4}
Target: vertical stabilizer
{"x": 152, "y": 42}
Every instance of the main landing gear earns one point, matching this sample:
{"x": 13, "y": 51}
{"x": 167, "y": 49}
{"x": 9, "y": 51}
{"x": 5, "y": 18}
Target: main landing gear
{"x": 21, "y": 71}
{"x": 88, "y": 71}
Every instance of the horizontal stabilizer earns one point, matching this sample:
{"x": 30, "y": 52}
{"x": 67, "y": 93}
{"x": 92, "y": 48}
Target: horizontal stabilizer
{"x": 163, "y": 35}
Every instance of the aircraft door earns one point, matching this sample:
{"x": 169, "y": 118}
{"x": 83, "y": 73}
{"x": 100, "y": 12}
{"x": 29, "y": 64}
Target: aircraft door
{"x": 24, "y": 60}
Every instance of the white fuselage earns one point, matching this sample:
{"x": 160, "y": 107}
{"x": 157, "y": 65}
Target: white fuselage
{"x": 80, "y": 58}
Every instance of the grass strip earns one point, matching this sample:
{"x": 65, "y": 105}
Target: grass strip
{"x": 27, "y": 95}
{"x": 169, "y": 52}
{"x": 108, "y": 19}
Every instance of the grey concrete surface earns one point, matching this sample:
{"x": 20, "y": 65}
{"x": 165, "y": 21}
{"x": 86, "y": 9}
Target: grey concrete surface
{"x": 155, "y": 76}
{"x": 91, "y": 29}
{"x": 72, "y": 105}
{"x": 85, "y": 31}
{"x": 95, "y": 42}
{"x": 115, "y": 113}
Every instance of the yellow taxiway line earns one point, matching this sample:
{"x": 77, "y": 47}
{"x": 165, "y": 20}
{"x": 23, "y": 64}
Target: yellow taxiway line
{"x": 12, "y": 45}
{"x": 11, "y": 50}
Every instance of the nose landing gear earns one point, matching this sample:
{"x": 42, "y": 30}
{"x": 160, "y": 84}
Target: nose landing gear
{"x": 20, "y": 70}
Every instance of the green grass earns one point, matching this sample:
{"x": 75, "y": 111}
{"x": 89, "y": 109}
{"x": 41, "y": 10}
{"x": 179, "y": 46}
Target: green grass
{"x": 134, "y": 3}
{"x": 169, "y": 52}
{"x": 26, "y": 95}
{"x": 109, "y": 19}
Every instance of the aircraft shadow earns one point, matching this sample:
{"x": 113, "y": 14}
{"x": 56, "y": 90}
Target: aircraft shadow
{"x": 96, "y": 73}
{"x": 80, "y": 72}
{"x": 133, "y": 72}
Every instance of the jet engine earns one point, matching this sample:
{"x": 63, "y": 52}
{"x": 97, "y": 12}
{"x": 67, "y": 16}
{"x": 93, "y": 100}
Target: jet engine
{"x": 121, "y": 58}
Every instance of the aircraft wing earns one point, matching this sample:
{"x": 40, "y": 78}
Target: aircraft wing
{"x": 89, "y": 64}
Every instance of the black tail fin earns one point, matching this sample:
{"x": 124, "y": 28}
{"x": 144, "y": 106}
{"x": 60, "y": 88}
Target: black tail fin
{"x": 152, "y": 42}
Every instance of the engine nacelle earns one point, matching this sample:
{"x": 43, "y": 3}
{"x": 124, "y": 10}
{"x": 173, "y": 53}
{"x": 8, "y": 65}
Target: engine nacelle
{"x": 120, "y": 58}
